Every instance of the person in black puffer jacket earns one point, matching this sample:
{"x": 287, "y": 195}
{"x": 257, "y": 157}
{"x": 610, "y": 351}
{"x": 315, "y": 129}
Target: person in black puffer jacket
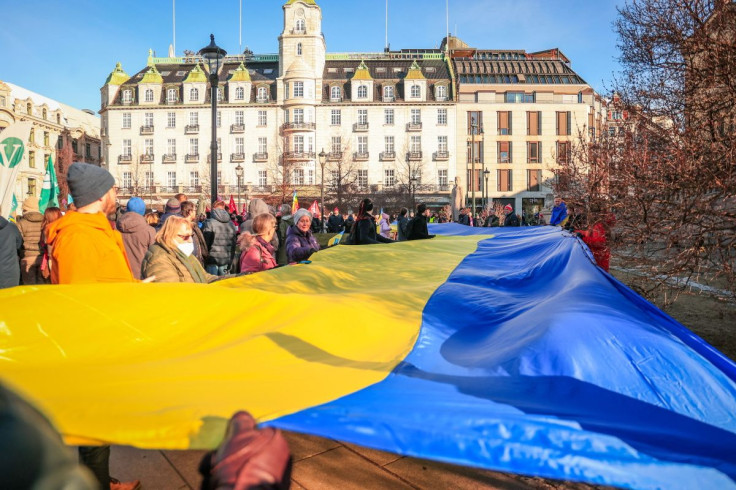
{"x": 418, "y": 224}
{"x": 219, "y": 233}
{"x": 364, "y": 228}
{"x": 11, "y": 244}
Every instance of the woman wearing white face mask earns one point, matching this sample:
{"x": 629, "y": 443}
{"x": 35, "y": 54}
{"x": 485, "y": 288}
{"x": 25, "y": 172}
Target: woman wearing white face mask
{"x": 171, "y": 258}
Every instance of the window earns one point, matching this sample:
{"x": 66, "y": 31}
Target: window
{"x": 441, "y": 92}
{"x": 171, "y": 179}
{"x": 262, "y": 94}
{"x": 171, "y": 95}
{"x": 240, "y": 145}
{"x": 126, "y": 120}
{"x": 335, "y": 93}
{"x": 335, "y": 117}
{"x": 388, "y": 92}
{"x": 442, "y": 177}
{"x": 239, "y": 118}
{"x": 127, "y": 149}
{"x": 127, "y": 97}
{"x": 533, "y": 180}
{"x": 504, "y": 122}
{"x": 298, "y": 116}
{"x": 442, "y": 117}
{"x": 298, "y": 89}
{"x": 388, "y": 117}
{"x": 218, "y": 119}
{"x": 171, "y": 146}
{"x": 563, "y": 123}
{"x": 299, "y": 49}
{"x": 194, "y": 146}
{"x": 336, "y": 145}
{"x": 442, "y": 144}
{"x": 362, "y": 144}
{"x": 239, "y": 93}
{"x": 32, "y": 159}
{"x": 262, "y": 118}
{"x": 148, "y": 119}
{"x": 504, "y": 152}
{"x": 310, "y": 180}
{"x": 519, "y": 97}
{"x": 504, "y": 180}
{"x": 533, "y": 123}
{"x": 46, "y": 138}
{"x": 148, "y": 146}
{"x": 362, "y": 92}
{"x": 299, "y": 144}
{"x": 301, "y": 25}
{"x": 362, "y": 116}
{"x": 389, "y": 178}
{"x": 44, "y": 112}
{"x": 416, "y": 144}
{"x": 475, "y": 122}
{"x": 389, "y": 144}
{"x": 127, "y": 180}
{"x": 533, "y": 151}
{"x": 194, "y": 178}
{"x": 298, "y": 176}
{"x": 617, "y": 115}
{"x": 416, "y": 91}
{"x": 362, "y": 178}
{"x": 564, "y": 152}
{"x": 149, "y": 95}
{"x": 31, "y": 187}
{"x": 416, "y": 116}
{"x": 148, "y": 179}
{"x": 262, "y": 144}
{"x": 334, "y": 178}
{"x": 194, "y": 119}
{"x": 262, "y": 178}
{"x": 171, "y": 120}
{"x": 193, "y": 94}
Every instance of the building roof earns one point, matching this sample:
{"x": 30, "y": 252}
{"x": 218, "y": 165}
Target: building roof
{"x": 196, "y": 74}
{"x": 117, "y": 76}
{"x": 21, "y": 93}
{"x": 152, "y": 76}
{"x": 385, "y": 69}
{"x": 544, "y": 67}
{"x": 415, "y": 73}
{"x": 75, "y": 118}
{"x": 240, "y": 74}
{"x": 362, "y": 73}
{"x": 308, "y": 2}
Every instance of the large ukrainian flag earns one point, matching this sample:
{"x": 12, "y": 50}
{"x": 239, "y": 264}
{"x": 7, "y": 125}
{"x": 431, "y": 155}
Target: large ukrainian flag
{"x": 511, "y": 352}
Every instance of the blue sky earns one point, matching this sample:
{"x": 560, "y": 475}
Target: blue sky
{"x": 65, "y": 49}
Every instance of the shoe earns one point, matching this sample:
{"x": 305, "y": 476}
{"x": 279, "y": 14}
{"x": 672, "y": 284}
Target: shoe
{"x": 127, "y": 485}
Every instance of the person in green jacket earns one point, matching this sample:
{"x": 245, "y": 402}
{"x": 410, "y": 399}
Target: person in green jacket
{"x": 171, "y": 258}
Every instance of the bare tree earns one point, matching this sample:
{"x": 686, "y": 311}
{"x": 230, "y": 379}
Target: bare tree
{"x": 341, "y": 172}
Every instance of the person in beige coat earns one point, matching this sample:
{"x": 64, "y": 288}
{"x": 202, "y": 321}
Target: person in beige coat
{"x": 30, "y": 227}
{"x": 171, "y": 258}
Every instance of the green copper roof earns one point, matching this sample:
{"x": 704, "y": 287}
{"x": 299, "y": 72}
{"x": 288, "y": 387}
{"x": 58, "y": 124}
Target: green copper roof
{"x": 308, "y": 2}
{"x": 415, "y": 72}
{"x": 152, "y": 76}
{"x": 196, "y": 75}
{"x": 362, "y": 72}
{"x": 240, "y": 74}
{"x": 117, "y": 76}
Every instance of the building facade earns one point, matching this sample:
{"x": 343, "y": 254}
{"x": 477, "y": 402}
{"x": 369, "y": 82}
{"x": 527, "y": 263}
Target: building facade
{"x": 394, "y": 125}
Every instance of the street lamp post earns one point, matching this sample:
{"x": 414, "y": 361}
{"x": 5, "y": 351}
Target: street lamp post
{"x": 486, "y": 173}
{"x": 413, "y": 191}
{"x": 473, "y": 126}
{"x": 213, "y": 55}
{"x": 322, "y": 159}
{"x": 239, "y": 175}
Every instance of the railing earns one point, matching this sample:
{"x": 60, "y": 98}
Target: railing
{"x": 334, "y": 155}
{"x": 441, "y": 98}
{"x": 360, "y": 155}
{"x": 219, "y": 158}
{"x": 170, "y": 157}
{"x": 387, "y": 155}
{"x": 360, "y": 127}
{"x": 389, "y": 98}
{"x": 262, "y": 189}
{"x": 441, "y": 155}
{"x": 383, "y": 55}
{"x": 172, "y": 189}
{"x": 172, "y": 101}
{"x": 191, "y": 129}
{"x": 191, "y": 158}
{"x": 193, "y": 189}
{"x": 147, "y": 158}
{"x": 125, "y": 158}
{"x": 299, "y": 155}
{"x": 414, "y": 126}
{"x": 335, "y": 99}
{"x": 414, "y": 155}
{"x": 260, "y": 157}
{"x": 299, "y": 125}
{"x": 237, "y": 128}
{"x": 125, "y": 191}
{"x": 146, "y": 129}
{"x": 237, "y": 157}
{"x": 262, "y": 100}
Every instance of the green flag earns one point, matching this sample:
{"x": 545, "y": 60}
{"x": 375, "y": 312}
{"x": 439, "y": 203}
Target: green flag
{"x": 50, "y": 189}
{"x": 13, "y": 209}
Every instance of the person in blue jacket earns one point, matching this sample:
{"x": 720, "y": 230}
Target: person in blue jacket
{"x": 559, "y": 213}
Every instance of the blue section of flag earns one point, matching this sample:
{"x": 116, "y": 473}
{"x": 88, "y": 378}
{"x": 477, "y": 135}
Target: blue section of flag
{"x": 533, "y": 360}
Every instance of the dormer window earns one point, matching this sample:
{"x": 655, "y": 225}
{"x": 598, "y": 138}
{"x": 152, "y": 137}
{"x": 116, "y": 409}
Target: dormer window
{"x": 29, "y": 108}
{"x": 335, "y": 94}
{"x": 58, "y": 118}
{"x": 45, "y": 114}
{"x": 149, "y": 95}
{"x": 388, "y": 93}
{"x": 362, "y": 92}
{"x": 171, "y": 96}
{"x": 262, "y": 94}
{"x": 441, "y": 92}
{"x": 239, "y": 93}
{"x": 299, "y": 49}
{"x": 416, "y": 92}
{"x": 219, "y": 94}
{"x": 127, "y": 96}
{"x": 193, "y": 94}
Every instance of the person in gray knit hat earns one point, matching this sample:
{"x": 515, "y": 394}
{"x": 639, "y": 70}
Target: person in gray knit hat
{"x": 88, "y": 183}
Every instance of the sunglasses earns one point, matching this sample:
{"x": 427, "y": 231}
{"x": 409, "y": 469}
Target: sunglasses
{"x": 186, "y": 238}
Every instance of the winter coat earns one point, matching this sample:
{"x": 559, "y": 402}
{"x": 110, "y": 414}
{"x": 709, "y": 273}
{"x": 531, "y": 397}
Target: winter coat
{"x": 163, "y": 219}
{"x": 137, "y": 237}
{"x": 85, "y": 249}
{"x": 11, "y": 244}
{"x": 219, "y": 234}
{"x": 30, "y": 227}
{"x": 335, "y": 223}
{"x": 316, "y": 225}
{"x": 491, "y": 220}
{"x": 418, "y": 228}
{"x": 511, "y": 220}
{"x": 283, "y": 228}
{"x": 258, "y": 257}
{"x": 385, "y": 226}
{"x": 364, "y": 232}
{"x": 595, "y": 238}
{"x": 402, "y": 228}
{"x": 200, "y": 245}
{"x": 256, "y": 207}
{"x": 464, "y": 219}
{"x": 173, "y": 266}
{"x": 300, "y": 246}
{"x": 559, "y": 215}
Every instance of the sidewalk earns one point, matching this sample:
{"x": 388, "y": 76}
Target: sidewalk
{"x": 324, "y": 464}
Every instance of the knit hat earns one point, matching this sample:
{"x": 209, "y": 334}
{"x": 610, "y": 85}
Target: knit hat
{"x": 30, "y": 204}
{"x": 136, "y": 205}
{"x": 88, "y": 183}
{"x": 508, "y": 208}
{"x": 336, "y": 211}
{"x": 173, "y": 206}
{"x": 300, "y": 213}
{"x": 421, "y": 208}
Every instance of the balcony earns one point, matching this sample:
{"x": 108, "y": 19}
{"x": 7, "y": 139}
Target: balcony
{"x": 237, "y": 128}
{"x": 299, "y": 155}
{"x": 360, "y": 156}
{"x": 219, "y": 158}
{"x": 191, "y": 158}
{"x": 299, "y": 126}
{"x": 262, "y": 100}
{"x": 389, "y": 98}
{"x": 441, "y": 155}
{"x": 147, "y": 158}
{"x": 125, "y": 191}
{"x": 172, "y": 100}
{"x": 415, "y": 126}
{"x": 237, "y": 157}
{"x": 360, "y": 127}
{"x": 335, "y": 99}
{"x": 334, "y": 156}
{"x": 387, "y": 155}
{"x": 260, "y": 157}
{"x": 125, "y": 158}
{"x": 170, "y": 158}
{"x": 193, "y": 189}
{"x": 191, "y": 129}
{"x": 146, "y": 129}
{"x": 441, "y": 98}
{"x": 414, "y": 155}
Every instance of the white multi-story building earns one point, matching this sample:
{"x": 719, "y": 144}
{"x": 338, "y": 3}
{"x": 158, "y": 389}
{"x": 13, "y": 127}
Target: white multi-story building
{"x": 393, "y": 125}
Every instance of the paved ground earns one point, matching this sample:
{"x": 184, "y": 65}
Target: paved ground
{"x": 323, "y": 464}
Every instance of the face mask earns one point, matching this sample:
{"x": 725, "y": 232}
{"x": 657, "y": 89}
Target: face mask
{"x": 187, "y": 248}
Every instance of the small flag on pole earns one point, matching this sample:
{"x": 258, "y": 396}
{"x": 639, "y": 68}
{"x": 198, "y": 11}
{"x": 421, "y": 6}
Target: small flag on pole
{"x": 314, "y": 208}
{"x": 50, "y": 189}
{"x": 294, "y": 203}
{"x": 232, "y": 207}
{"x": 13, "y": 208}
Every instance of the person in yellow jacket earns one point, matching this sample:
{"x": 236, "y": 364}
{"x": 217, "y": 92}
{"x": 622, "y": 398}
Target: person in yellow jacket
{"x": 85, "y": 249}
